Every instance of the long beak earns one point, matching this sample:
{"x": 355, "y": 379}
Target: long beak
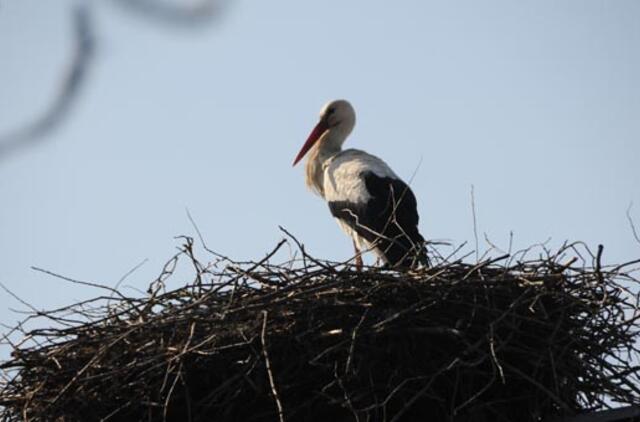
{"x": 315, "y": 134}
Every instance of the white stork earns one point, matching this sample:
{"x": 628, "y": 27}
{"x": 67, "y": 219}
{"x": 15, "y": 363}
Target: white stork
{"x": 369, "y": 201}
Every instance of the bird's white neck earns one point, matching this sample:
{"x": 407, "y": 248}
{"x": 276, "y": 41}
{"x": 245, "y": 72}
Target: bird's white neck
{"x": 328, "y": 145}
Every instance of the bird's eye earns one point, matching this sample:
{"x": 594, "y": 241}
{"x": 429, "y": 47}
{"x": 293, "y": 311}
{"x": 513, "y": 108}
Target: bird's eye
{"x": 330, "y": 111}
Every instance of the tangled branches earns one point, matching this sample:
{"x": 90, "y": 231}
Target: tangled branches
{"x": 500, "y": 340}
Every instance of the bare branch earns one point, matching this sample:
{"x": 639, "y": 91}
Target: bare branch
{"x": 475, "y": 221}
{"x": 175, "y": 12}
{"x": 267, "y": 362}
{"x": 631, "y": 223}
{"x": 69, "y": 89}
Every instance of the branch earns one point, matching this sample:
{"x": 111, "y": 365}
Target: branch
{"x": 175, "y": 12}
{"x": 69, "y": 90}
{"x": 633, "y": 226}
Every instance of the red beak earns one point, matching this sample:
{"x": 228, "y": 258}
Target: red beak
{"x": 315, "y": 134}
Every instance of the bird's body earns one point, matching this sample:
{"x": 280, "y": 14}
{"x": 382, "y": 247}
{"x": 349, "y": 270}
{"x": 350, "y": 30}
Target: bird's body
{"x": 369, "y": 201}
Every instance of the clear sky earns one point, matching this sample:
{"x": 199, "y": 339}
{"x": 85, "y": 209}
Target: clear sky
{"x": 534, "y": 102}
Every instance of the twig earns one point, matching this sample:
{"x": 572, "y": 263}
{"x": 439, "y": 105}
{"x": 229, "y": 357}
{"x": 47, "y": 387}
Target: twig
{"x": 475, "y": 221}
{"x": 267, "y": 363}
{"x": 633, "y": 226}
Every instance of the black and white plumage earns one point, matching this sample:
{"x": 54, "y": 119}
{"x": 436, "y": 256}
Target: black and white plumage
{"x": 369, "y": 201}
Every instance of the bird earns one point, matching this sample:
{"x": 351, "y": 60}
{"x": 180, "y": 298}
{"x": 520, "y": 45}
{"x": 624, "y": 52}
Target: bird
{"x": 374, "y": 206}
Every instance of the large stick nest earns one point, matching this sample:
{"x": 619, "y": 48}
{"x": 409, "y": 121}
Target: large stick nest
{"x": 506, "y": 339}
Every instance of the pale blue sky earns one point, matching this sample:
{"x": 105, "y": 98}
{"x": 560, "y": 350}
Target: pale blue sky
{"x": 536, "y": 103}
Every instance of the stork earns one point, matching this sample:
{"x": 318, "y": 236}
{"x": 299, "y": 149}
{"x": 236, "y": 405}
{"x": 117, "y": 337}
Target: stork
{"x": 370, "y": 202}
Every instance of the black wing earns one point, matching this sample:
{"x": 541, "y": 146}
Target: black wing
{"x": 389, "y": 219}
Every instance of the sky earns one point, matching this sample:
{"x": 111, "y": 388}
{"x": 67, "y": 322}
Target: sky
{"x": 534, "y": 103}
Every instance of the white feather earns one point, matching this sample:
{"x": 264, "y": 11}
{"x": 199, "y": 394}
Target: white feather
{"x": 343, "y": 175}
{"x": 344, "y": 181}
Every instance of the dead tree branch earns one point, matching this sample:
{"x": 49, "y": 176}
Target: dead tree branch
{"x": 182, "y": 13}
{"x": 70, "y": 87}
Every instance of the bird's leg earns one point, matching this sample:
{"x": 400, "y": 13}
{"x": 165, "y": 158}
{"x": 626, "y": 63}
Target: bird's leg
{"x": 358, "y": 256}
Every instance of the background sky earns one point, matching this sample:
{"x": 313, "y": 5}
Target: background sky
{"x": 536, "y": 103}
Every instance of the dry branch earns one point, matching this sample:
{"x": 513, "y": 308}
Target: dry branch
{"x": 68, "y": 91}
{"x": 175, "y": 12}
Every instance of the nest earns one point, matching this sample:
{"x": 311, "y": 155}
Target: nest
{"x": 506, "y": 339}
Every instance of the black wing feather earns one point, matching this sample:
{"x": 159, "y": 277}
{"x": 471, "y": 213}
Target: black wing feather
{"x": 389, "y": 219}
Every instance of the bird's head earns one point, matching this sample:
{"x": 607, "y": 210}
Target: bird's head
{"x": 338, "y": 114}
{"x": 337, "y": 117}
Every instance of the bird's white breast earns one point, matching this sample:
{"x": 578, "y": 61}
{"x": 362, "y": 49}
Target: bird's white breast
{"x": 343, "y": 175}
